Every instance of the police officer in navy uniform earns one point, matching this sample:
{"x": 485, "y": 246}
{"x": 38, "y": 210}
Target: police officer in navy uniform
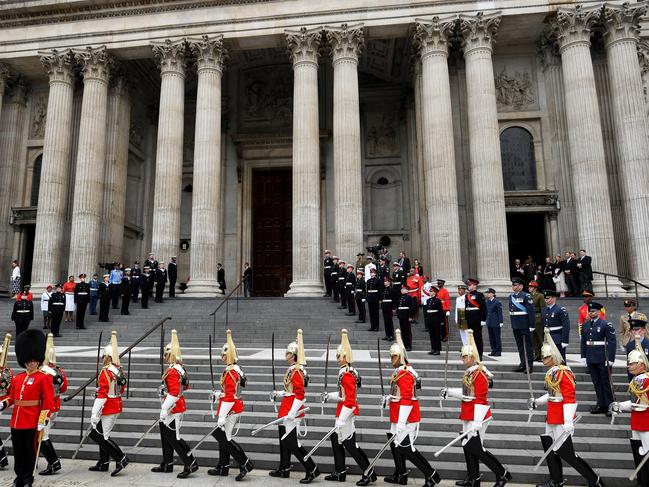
{"x": 475, "y": 311}
{"x": 335, "y": 267}
{"x": 359, "y": 295}
{"x": 350, "y": 285}
{"x": 136, "y": 276}
{"x": 398, "y": 277}
{"x": 340, "y": 284}
{"x": 598, "y": 344}
{"x": 327, "y": 264}
{"x": 389, "y": 301}
{"x": 638, "y": 327}
{"x": 373, "y": 288}
{"x": 522, "y": 316}
{"x": 556, "y": 321}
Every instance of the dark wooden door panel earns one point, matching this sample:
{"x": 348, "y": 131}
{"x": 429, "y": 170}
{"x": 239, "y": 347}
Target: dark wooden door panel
{"x": 271, "y": 231}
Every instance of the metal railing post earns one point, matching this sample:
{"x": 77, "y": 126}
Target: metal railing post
{"x": 637, "y": 295}
{"x": 606, "y": 285}
{"x": 227, "y": 303}
{"x": 83, "y": 414}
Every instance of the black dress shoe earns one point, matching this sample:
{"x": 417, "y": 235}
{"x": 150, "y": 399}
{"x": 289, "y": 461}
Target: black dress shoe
{"x": 367, "y": 479}
{"x": 280, "y": 473}
{"x": 308, "y": 478}
{"x": 433, "y": 480}
{"x": 350, "y": 314}
{"x": 503, "y": 479}
{"x": 219, "y": 471}
{"x": 243, "y": 471}
{"x": 4, "y": 462}
{"x": 99, "y": 467}
{"x": 386, "y": 338}
{"x": 51, "y": 468}
{"x": 163, "y": 468}
{"x": 549, "y": 483}
{"x": 360, "y": 321}
{"x": 465, "y": 482}
{"x": 520, "y": 368}
{"x": 397, "y": 478}
{"x": 337, "y": 476}
{"x": 188, "y": 470}
{"x": 121, "y": 465}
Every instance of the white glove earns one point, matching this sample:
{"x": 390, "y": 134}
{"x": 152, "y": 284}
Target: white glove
{"x": 483, "y": 323}
{"x": 276, "y": 394}
{"x": 94, "y": 421}
{"x": 221, "y": 421}
{"x": 543, "y": 400}
{"x": 164, "y": 413}
{"x": 343, "y": 417}
{"x": 531, "y": 404}
{"x": 3, "y": 405}
{"x": 295, "y": 409}
{"x": 41, "y": 426}
{"x": 564, "y": 345}
{"x": 501, "y": 325}
{"x": 614, "y": 408}
{"x": 402, "y": 423}
{"x": 569, "y": 411}
{"x": 479, "y": 413}
{"x": 448, "y": 313}
{"x": 329, "y": 396}
{"x": 583, "y": 361}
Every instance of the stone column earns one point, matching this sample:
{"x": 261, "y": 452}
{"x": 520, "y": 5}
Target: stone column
{"x": 169, "y": 154}
{"x": 91, "y": 159}
{"x": 346, "y": 45}
{"x": 492, "y": 256}
{"x": 303, "y": 46}
{"x": 572, "y": 27}
{"x": 52, "y": 195}
{"x": 12, "y": 124}
{"x": 5, "y": 77}
{"x": 439, "y": 150}
{"x": 118, "y": 124}
{"x": 206, "y": 194}
{"x": 627, "y": 100}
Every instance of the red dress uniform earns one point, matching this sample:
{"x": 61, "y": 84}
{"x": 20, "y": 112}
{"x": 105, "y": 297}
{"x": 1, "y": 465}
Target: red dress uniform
{"x": 173, "y": 381}
{"x": 403, "y": 392}
{"x": 639, "y": 387}
{"x": 231, "y": 389}
{"x": 560, "y": 383}
{"x": 416, "y": 284}
{"x": 445, "y": 298}
{"x": 475, "y": 388}
{"x": 30, "y": 394}
{"x": 347, "y": 382}
{"x": 110, "y": 390}
{"x": 294, "y": 387}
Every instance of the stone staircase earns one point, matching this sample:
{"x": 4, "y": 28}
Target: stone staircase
{"x": 509, "y": 436}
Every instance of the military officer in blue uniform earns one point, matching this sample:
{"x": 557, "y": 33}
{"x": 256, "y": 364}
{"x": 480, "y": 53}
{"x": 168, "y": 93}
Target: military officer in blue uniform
{"x": 598, "y": 344}
{"x": 522, "y": 316}
{"x": 638, "y": 328}
{"x": 556, "y": 321}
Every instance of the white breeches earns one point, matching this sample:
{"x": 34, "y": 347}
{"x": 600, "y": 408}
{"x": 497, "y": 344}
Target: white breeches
{"x": 107, "y": 424}
{"x": 346, "y": 430}
{"x": 467, "y": 425}
{"x": 464, "y": 336}
{"x": 412, "y": 432}
{"x": 178, "y": 417}
{"x": 555, "y": 431}
{"x": 643, "y": 436}
{"x": 46, "y": 431}
{"x": 230, "y": 423}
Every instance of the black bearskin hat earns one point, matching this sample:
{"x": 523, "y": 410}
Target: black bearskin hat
{"x": 30, "y": 345}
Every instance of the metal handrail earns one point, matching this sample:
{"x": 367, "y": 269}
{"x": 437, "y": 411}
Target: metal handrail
{"x": 624, "y": 278}
{"x": 225, "y": 302}
{"x": 125, "y": 352}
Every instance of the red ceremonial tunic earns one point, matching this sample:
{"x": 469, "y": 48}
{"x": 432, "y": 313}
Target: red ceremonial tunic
{"x": 294, "y": 387}
{"x": 58, "y": 390}
{"x": 639, "y": 387}
{"x": 403, "y": 392}
{"x": 231, "y": 389}
{"x": 475, "y": 389}
{"x": 110, "y": 390}
{"x": 560, "y": 383}
{"x": 30, "y": 394}
{"x": 416, "y": 284}
{"x": 173, "y": 381}
{"x": 347, "y": 381}
{"x": 445, "y": 298}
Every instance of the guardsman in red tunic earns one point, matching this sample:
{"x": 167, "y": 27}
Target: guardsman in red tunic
{"x": 559, "y": 423}
{"x": 473, "y": 413}
{"x": 293, "y": 399}
{"x": 638, "y": 365}
{"x": 174, "y": 382}
{"x": 32, "y": 396}
{"x": 6, "y": 376}
{"x": 106, "y": 409}
{"x": 405, "y": 418}
{"x": 228, "y": 411}
{"x": 347, "y": 409}
{"x": 60, "y": 384}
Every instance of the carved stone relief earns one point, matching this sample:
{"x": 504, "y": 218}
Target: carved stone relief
{"x": 39, "y": 117}
{"x": 382, "y": 135}
{"x": 267, "y": 96}
{"x": 515, "y": 81}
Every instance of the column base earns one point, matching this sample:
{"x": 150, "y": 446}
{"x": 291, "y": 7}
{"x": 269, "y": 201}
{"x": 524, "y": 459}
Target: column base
{"x": 612, "y": 284}
{"x": 305, "y": 289}
{"x": 38, "y": 288}
{"x": 500, "y": 285}
{"x": 203, "y": 287}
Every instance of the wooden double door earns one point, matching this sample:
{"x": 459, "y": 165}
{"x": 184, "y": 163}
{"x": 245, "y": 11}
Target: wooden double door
{"x": 271, "y": 231}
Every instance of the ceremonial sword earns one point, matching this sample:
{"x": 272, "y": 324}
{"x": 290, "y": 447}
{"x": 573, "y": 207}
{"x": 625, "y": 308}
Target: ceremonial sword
{"x": 275, "y": 421}
{"x": 458, "y": 438}
{"x": 558, "y": 441}
{"x": 639, "y": 467}
{"x": 610, "y": 377}
{"x": 529, "y": 378}
{"x": 378, "y": 350}
{"x": 83, "y": 440}
{"x": 441, "y": 406}
{"x": 146, "y": 433}
{"x": 318, "y": 444}
{"x": 378, "y": 455}
{"x": 326, "y": 371}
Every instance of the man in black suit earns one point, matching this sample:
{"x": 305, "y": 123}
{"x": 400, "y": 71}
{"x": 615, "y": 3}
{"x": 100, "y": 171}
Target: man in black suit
{"x": 571, "y": 274}
{"x": 172, "y": 272}
{"x": 404, "y": 262}
{"x": 585, "y": 271}
{"x": 160, "y": 282}
{"x": 220, "y": 277}
{"x": 247, "y": 281}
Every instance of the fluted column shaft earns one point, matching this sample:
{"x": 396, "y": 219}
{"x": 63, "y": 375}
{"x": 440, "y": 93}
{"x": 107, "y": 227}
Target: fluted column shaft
{"x": 12, "y": 123}
{"x": 169, "y": 154}
{"x": 439, "y": 151}
{"x": 622, "y": 31}
{"x": 590, "y": 183}
{"x": 206, "y": 193}
{"x": 50, "y": 218}
{"x": 346, "y": 45}
{"x": 91, "y": 158}
{"x": 5, "y": 76}
{"x": 116, "y": 172}
{"x": 490, "y": 225}
{"x": 306, "y": 266}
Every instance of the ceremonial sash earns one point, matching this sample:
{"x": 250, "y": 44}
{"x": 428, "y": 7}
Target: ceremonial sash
{"x": 519, "y": 306}
{"x": 472, "y": 301}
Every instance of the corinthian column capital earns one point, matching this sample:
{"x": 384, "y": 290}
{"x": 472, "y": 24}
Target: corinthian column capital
{"x": 573, "y": 25}
{"x": 431, "y": 37}
{"x": 170, "y": 56}
{"x": 622, "y": 22}
{"x": 304, "y": 45}
{"x": 210, "y": 53}
{"x": 479, "y": 31}
{"x": 643, "y": 56}
{"x": 95, "y": 63}
{"x": 5, "y": 77}
{"x": 346, "y": 41}
{"x": 59, "y": 65}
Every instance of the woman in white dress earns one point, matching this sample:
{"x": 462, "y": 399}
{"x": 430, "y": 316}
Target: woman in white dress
{"x": 45, "y": 306}
{"x": 559, "y": 277}
{"x": 14, "y": 283}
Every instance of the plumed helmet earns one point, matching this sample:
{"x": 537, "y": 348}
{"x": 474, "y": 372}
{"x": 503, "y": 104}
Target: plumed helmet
{"x": 345, "y": 349}
{"x": 637, "y": 355}
{"x": 172, "y": 349}
{"x": 549, "y": 348}
{"x": 229, "y": 350}
{"x": 50, "y": 352}
{"x": 471, "y": 348}
{"x": 398, "y": 348}
{"x": 30, "y": 345}
{"x": 297, "y": 348}
{"x": 112, "y": 350}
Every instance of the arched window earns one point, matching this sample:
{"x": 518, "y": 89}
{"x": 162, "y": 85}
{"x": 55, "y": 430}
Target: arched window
{"x": 517, "y": 154}
{"x": 36, "y": 181}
